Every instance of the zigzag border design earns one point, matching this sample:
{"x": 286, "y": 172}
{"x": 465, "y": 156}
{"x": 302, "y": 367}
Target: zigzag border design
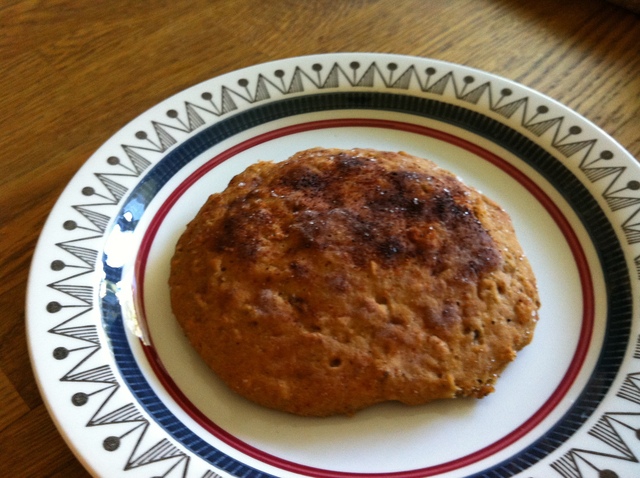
{"x": 90, "y": 220}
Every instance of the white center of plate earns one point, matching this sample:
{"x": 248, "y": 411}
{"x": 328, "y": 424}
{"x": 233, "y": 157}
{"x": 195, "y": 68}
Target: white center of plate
{"x": 388, "y": 437}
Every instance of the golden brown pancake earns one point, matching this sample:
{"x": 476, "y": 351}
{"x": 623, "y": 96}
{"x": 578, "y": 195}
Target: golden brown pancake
{"x": 338, "y": 279}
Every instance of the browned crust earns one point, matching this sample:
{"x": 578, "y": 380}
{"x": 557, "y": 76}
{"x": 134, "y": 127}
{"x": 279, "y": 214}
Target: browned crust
{"x": 339, "y": 279}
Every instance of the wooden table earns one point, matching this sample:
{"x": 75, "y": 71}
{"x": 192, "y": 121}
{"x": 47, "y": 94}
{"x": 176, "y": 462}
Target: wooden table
{"x": 69, "y": 66}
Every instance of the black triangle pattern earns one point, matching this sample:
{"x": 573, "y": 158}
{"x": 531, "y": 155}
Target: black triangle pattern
{"x": 139, "y": 162}
{"x": 141, "y": 454}
{"x": 262, "y": 91}
{"x": 88, "y": 333}
{"x": 404, "y": 81}
{"x": 78, "y": 317}
{"x": 440, "y": 85}
{"x": 474, "y": 95}
{"x": 228, "y": 104}
{"x": 617, "y": 449}
{"x": 125, "y": 414}
{"x": 99, "y": 220}
{"x": 605, "y": 431}
{"x": 194, "y": 120}
{"x": 193, "y": 111}
{"x": 509, "y": 109}
{"x": 197, "y": 114}
{"x": 332, "y": 80}
{"x": 368, "y": 78}
{"x": 101, "y": 374}
{"x": 630, "y": 389}
{"x": 569, "y": 149}
{"x": 166, "y": 140}
{"x": 85, "y": 254}
{"x": 296, "y": 85}
{"x": 163, "y": 450}
{"x": 542, "y": 127}
{"x": 595, "y": 174}
{"x": 114, "y": 187}
{"x": 81, "y": 292}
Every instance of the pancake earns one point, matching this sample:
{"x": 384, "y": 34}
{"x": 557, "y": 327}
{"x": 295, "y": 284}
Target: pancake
{"x": 338, "y": 279}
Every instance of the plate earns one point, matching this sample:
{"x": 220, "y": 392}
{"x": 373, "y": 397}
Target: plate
{"x": 131, "y": 397}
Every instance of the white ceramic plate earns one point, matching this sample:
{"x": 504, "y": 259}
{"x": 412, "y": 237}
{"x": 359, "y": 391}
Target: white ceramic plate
{"x": 568, "y": 406}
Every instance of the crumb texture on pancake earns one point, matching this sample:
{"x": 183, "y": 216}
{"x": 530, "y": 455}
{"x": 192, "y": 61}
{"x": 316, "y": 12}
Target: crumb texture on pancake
{"x": 338, "y": 279}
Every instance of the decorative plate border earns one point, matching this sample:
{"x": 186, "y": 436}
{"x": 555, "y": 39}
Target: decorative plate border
{"x": 589, "y": 153}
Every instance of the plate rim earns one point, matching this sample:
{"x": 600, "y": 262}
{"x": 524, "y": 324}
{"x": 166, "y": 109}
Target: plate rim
{"x": 309, "y": 58}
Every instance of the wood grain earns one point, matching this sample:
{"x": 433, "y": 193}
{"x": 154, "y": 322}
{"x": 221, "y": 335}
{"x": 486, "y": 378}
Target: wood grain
{"x": 73, "y": 73}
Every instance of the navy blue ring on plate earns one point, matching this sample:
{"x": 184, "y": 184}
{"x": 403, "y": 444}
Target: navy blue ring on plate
{"x": 613, "y": 263}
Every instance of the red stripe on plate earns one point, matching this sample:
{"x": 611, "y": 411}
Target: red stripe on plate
{"x": 553, "y": 210}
